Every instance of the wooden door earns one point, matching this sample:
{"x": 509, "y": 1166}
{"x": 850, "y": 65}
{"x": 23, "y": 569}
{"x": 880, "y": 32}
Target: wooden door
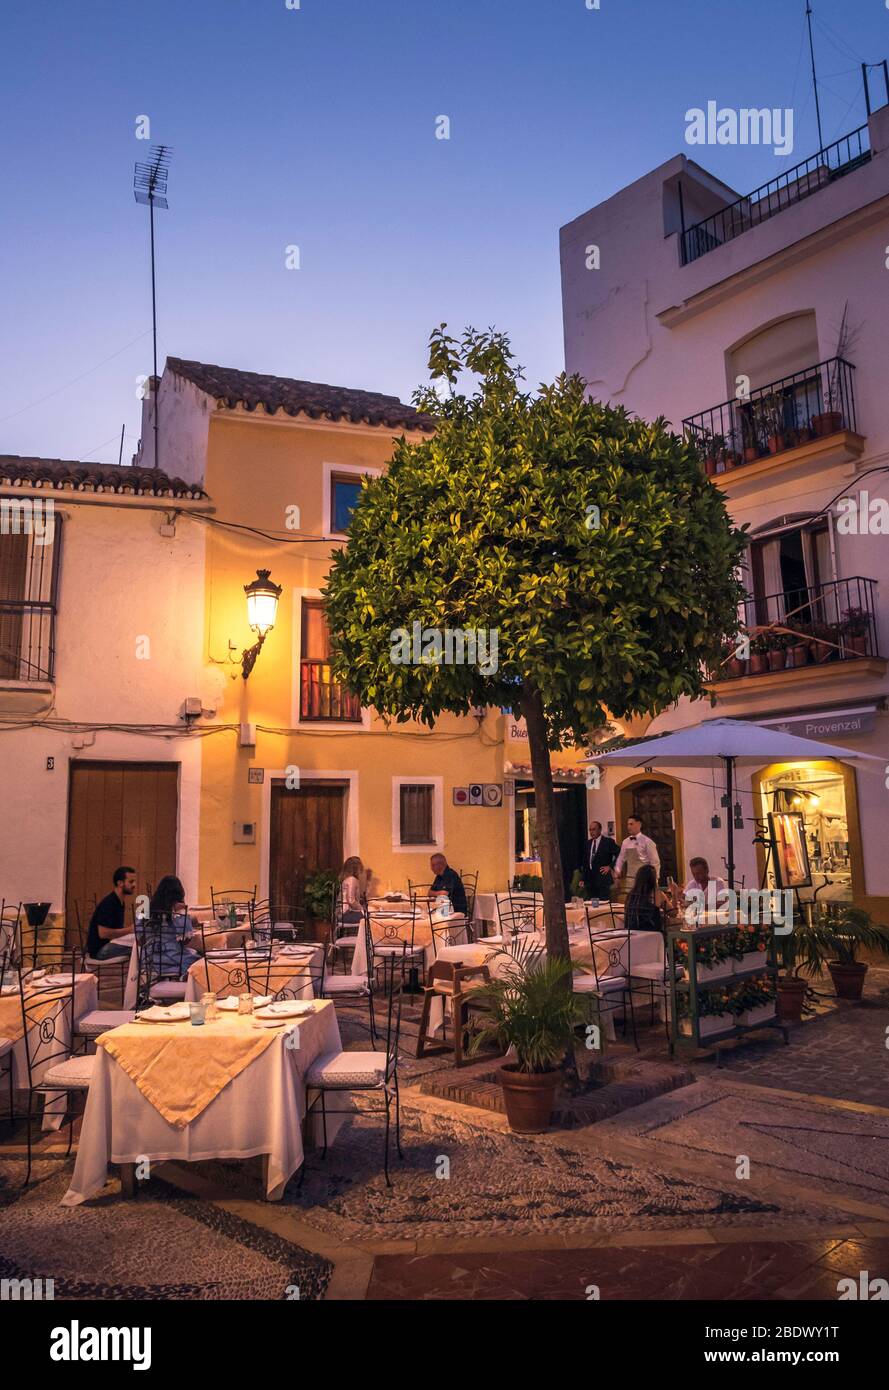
{"x": 118, "y": 813}
{"x": 653, "y": 802}
{"x": 306, "y": 837}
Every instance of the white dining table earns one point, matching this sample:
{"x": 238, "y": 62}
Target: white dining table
{"x": 259, "y": 1112}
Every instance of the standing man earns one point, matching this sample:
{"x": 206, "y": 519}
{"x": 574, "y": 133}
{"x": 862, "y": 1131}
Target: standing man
{"x": 637, "y": 849}
{"x": 108, "y": 921}
{"x": 598, "y": 861}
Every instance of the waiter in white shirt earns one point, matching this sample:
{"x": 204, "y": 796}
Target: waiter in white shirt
{"x": 637, "y": 849}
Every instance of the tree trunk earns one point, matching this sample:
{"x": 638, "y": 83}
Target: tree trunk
{"x": 547, "y": 838}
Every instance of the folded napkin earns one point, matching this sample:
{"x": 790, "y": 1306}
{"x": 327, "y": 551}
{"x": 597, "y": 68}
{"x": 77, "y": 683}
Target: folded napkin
{"x": 180, "y": 1070}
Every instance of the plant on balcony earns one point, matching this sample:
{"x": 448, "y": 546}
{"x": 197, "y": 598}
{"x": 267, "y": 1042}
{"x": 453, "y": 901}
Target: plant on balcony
{"x": 774, "y": 421}
{"x": 776, "y": 648}
{"x": 759, "y": 652}
{"x": 797, "y": 643}
{"x": 731, "y": 665}
{"x": 855, "y": 627}
{"x": 712, "y": 447}
{"x": 822, "y": 640}
{"x": 751, "y": 432}
{"x": 830, "y": 420}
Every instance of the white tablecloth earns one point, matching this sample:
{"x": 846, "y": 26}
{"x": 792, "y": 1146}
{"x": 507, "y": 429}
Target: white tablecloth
{"x": 259, "y": 1112}
{"x": 85, "y": 999}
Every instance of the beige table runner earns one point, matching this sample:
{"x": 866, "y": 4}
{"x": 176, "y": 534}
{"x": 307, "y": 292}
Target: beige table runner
{"x": 180, "y": 1069}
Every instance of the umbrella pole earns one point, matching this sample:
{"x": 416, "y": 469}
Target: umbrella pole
{"x": 730, "y": 823}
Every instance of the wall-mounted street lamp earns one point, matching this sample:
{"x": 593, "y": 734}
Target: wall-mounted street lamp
{"x": 262, "y": 610}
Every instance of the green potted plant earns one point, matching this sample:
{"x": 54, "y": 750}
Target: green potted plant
{"x": 797, "y": 644}
{"x": 578, "y": 888}
{"x": 840, "y": 937}
{"x": 854, "y": 627}
{"x": 822, "y": 641}
{"x": 527, "y": 883}
{"x": 801, "y": 950}
{"x": 759, "y": 650}
{"x": 530, "y": 1007}
{"x": 772, "y": 407}
{"x": 751, "y": 432}
{"x": 712, "y": 448}
{"x": 319, "y": 896}
{"x": 776, "y": 653}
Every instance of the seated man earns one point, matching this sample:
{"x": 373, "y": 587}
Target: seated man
{"x": 447, "y": 884}
{"x": 700, "y": 878}
{"x": 702, "y": 893}
{"x": 108, "y": 920}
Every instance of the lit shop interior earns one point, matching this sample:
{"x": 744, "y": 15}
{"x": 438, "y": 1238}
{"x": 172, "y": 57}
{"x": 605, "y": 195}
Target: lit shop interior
{"x": 819, "y": 796}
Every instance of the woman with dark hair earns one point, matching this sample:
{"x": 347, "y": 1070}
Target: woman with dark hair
{"x": 645, "y": 905}
{"x": 169, "y": 920}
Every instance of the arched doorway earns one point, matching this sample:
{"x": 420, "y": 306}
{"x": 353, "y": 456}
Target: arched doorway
{"x": 658, "y": 803}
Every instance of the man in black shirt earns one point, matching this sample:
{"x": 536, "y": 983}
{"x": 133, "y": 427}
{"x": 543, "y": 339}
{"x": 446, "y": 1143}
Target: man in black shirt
{"x": 447, "y": 881}
{"x": 108, "y": 921}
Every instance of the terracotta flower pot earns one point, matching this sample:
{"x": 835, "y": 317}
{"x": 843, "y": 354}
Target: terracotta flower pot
{"x": 758, "y": 663}
{"x": 776, "y": 443}
{"x": 710, "y": 466}
{"x": 777, "y": 659}
{"x": 799, "y": 654}
{"x": 848, "y": 980}
{"x": 828, "y": 422}
{"x": 751, "y": 454}
{"x": 528, "y": 1097}
{"x": 856, "y": 643}
{"x": 791, "y": 997}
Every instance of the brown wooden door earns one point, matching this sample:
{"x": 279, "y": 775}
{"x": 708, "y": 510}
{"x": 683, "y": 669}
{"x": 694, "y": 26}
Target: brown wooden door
{"x": 118, "y": 813}
{"x": 653, "y": 802}
{"x": 306, "y": 837}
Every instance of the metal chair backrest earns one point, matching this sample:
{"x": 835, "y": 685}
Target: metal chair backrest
{"x": 160, "y": 951}
{"x": 613, "y": 951}
{"x": 470, "y": 883}
{"x": 447, "y": 931}
{"x": 47, "y": 1031}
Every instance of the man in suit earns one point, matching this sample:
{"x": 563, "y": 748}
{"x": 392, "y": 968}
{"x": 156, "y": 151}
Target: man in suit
{"x": 598, "y": 861}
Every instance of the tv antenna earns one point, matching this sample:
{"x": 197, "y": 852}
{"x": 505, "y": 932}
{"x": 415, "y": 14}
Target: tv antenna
{"x": 150, "y": 188}
{"x": 814, "y": 78}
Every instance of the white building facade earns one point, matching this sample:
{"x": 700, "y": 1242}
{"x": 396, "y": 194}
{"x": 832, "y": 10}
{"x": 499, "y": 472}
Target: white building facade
{"x": 758, "y": 324}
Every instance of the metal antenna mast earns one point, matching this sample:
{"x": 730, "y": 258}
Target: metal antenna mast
{"x": 814, "y": 78}
{"x": 150, "y": 188}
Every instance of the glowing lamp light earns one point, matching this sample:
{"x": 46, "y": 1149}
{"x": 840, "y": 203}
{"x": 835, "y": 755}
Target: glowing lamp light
{"x": 262, "y": 602}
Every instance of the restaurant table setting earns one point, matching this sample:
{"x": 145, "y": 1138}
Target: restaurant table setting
{"x": 46, "y": 995}
{"x": 201, "y": 1080}
{"x": 291, "y": 970}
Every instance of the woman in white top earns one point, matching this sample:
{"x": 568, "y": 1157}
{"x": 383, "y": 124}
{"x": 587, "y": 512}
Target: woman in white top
{"x": 350, "y": 902}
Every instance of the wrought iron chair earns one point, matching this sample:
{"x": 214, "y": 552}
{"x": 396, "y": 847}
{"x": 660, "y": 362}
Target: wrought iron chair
{"x": 48, "y": 1035}
{"x": 611, "y": 962}
{"x": 114, "y": 970}
{"x": 448, "y": 931}
{"x": 10, "y": 930}
{"x": 397, "y": 946}
{"x": 370, "y": 1072}
{"x": 344, "y": 933}
{"x": 354, "y": 987}
{"x": 160, "y": 949}
{"x": 232, "y": 903}
{"x": 470, "y": 883}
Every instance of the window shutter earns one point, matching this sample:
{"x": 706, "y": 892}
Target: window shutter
{"x": 416, "y": 814}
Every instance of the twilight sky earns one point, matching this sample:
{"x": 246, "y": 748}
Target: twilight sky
{"x": 315, "y": 127}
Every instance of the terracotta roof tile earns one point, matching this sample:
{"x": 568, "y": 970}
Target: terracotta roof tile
{"x": 312, "y": 398}
{"x": 65, "y": 474}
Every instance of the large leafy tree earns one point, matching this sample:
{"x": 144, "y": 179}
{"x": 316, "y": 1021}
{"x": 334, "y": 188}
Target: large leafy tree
{"x": 589, "y": 541}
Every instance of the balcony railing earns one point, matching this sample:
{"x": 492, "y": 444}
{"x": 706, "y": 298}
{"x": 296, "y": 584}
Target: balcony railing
{"x": 815, "y": 625}
{"x": 828, "y": 165}
{"x": 323, "y": 698}
{"x": 810, "y": 404}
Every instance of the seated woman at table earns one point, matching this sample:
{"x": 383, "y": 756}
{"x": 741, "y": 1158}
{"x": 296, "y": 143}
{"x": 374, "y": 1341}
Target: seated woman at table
{"x": 351, "y": 891}
{"x": 646, "y": 906}
{"x": 170, "y": 922}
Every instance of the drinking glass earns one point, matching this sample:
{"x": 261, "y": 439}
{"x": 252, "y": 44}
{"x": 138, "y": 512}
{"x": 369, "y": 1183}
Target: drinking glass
{"x": 196, "y": 1013}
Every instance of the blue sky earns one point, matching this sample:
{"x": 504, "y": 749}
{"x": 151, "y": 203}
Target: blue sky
{"x": 316, "y": 127}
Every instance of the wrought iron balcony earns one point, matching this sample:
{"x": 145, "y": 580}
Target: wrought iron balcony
{"x": 811, "y": 404}
{"x": 814, "y": 173}
{"x": 324, "y": 699}
{"x": 815, "y": 625}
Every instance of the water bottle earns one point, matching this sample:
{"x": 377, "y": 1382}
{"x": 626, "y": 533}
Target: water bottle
{"x": 446, "y": 909}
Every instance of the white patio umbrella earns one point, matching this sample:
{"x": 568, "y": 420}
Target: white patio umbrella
{"x": 729, "y": 741}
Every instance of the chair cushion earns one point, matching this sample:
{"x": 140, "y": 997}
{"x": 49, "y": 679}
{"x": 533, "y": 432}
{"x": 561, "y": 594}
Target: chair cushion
{"x": 100, "y": 1020}
{"x": 344, "y": 984}
{"x": 584, "y": 984}
{"x": 399, "y": 950}
{"x": 168, "y": 989}
{"x": 6, "y": 1045}
{"x": 340, "y": 1070}
{"x": 74, "y": 1072}
{"x": 654, "y": 973}
{"x": 612, "y": 982}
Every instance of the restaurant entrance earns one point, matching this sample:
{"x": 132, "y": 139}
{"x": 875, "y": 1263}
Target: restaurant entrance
{"x": 306, "y": 836}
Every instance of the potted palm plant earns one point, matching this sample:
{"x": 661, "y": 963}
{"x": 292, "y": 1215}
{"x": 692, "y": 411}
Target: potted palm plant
{"x": 530, "y": 1007}
{"x": 840, "y": 937}
{"x": 801, "y": 950}
{"x": 751, "y": 434}
{"x": 773, "y": 415}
